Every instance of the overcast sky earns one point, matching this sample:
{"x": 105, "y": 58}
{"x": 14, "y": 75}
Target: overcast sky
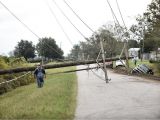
{"x": 36, "y": 15}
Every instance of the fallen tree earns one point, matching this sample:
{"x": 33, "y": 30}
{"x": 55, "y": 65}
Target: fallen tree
{"x": 25, "y": 69}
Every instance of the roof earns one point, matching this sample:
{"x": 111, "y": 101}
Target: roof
{"x": 134, "y": 49}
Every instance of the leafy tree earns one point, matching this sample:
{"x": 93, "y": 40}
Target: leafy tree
{"x": 75, "y": 53}
{"x": 133, "y": 44}
{"x": 48, "y": 48}
{"x": 91, "y": 47}
{"x": 25, "y": 49}
{"x": 152, "y": 36}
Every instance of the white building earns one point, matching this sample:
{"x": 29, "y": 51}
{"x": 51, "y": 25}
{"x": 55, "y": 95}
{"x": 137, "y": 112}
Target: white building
{"x": 134, "y": 52}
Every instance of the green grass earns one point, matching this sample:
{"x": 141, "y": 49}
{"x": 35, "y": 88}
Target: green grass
{"x": 56, "y": 100}
{"x": 131, "y": 63}
{"x": 151, "y": 65}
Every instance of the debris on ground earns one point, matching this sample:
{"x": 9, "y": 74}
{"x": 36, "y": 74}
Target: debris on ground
{"x": 143, "y": 69}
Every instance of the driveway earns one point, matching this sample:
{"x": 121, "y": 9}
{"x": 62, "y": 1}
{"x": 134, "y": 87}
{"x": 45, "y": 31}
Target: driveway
{"x": 123, "y": 98}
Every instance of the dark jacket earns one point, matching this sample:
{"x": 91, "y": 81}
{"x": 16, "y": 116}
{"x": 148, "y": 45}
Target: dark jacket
{"x": 36, "y": 71}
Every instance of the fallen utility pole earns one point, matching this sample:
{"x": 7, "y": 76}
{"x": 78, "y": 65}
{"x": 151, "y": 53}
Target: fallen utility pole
{"x": 69, "y": 71}
{"x": 25, "y": 69}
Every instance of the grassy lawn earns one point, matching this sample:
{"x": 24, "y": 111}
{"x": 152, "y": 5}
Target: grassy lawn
{"x": 131, "y": 63}
{"x": 56, "y": 100}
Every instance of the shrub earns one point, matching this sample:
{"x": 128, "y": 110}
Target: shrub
{"x": 6, "y": 63}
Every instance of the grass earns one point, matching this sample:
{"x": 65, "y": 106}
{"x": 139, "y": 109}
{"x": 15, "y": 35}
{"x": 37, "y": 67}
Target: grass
{"x": 56, "y": 100}
{"x": 131, "y": 63}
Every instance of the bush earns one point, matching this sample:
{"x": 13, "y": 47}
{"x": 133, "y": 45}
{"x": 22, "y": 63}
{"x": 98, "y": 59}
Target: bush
{"x": 25, "y": 80}
{"x": 153, "y": 61}
{"x": 6, "y": 63}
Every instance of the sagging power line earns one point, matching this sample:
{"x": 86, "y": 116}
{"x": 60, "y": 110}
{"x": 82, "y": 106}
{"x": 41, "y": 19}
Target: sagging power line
{"x": 58, "y": 22}
{"x": 19, "y": 19}
{"x": 78, "y": 16}
{"x": 69, "y": 19}
{"x": 26, "y": 26}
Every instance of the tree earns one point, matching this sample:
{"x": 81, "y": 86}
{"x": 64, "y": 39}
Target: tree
{"x": 48, "y": 48}
{"x": 75, "y": 53}
{"x": 152, "y": 36}
{"x": 91, "y": 47}
{"x": 133, "y": 44}
{"x": 25, "y": 49}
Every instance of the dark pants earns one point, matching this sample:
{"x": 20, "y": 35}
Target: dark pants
{"x": 40, "y": 82}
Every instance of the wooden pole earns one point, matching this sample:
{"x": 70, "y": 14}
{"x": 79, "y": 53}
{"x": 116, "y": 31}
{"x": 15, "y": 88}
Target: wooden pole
{"x": 104, "y": 62}
{"x": 127, "y": 56}
{"x": 25, "y": 69}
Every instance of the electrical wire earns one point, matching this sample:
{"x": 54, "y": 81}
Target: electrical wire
{"x": 97, "y": 75}
{"x": 68, "y": 19}
{"x": 47, "y": 45}
{"x": 121, "y": 14}
{"x": 58, "y": 22}
{"x": 15, "y": 78}
{"x": 18, "y": 19}
{"x": 114, "y": 16}
{"x": 78, "y": 16}
{"x": 25, "y": 25}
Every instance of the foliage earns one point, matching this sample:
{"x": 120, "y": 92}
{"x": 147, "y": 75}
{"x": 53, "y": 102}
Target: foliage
{"x": 75, "y": 52}
{"x": 48, "y": 48}
{"x": 11, "y": 62}
{"x": 25, "y": 49}
{"x": 133, "y": 44}
{"x": 91, "y": 47}
{"x": 3, "y": 64}
{"x": 152, "y": 36}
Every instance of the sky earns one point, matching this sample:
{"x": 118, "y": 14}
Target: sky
{"x": 36, "y": 14}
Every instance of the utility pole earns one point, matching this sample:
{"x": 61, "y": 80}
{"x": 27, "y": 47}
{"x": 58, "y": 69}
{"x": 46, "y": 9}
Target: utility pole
{"x": 104, "y": 64}
{"x": 127, "y": 56}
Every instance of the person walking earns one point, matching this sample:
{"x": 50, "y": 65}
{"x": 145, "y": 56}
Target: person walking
{"x": 39, "y": 74}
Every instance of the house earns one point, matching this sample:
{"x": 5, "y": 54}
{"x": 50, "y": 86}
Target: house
{"x": 134, "y": 52}
{"x": 155, "y": 55}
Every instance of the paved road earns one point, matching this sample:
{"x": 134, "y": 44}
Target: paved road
{"x": 124, "y": 98}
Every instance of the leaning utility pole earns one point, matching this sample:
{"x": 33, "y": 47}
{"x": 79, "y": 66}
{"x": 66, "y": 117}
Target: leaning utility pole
{"x": 104, "y": 62}
{"x": 126, "y": 54}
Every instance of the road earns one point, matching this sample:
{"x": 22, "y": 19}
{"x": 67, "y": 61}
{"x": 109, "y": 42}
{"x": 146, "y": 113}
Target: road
{"x": 123, "y": 98}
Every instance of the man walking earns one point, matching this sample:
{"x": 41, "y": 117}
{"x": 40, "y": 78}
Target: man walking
{"x": 39, "y": 74}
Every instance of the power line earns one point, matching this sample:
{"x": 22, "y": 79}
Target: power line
{"x": 121, "y": 14}
{"x": 78, "y": 16}
{"x": 69, "y": 19}
{"x": 18, "y": 19}
{"x": 25, "y": 25}
{"x": 51, "y": 47}
{"x": 54, "y": 15}
{"x": 114, "y": 16}
{"x": 14, "y": 78}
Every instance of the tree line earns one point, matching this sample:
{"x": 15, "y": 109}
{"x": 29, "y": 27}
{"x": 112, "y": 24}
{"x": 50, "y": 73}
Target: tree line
{"x": 144, "y": 34}
{"x": 46, "y": 47}
{"x": 147, "y": 28}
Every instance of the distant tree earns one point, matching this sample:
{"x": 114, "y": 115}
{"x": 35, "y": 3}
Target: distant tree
{"x": 24, "y": 49}
{"x": 48, "y": 48}
{"x": 91, "y": 47}
{"x": 133, "y": 44}
{"x": 152, "y": 37}
{"x": 75, "y": 53}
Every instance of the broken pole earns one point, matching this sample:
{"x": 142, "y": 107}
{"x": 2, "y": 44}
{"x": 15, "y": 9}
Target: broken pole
{"x": 60, "y": 65}
{"x": 104, "y": 62}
